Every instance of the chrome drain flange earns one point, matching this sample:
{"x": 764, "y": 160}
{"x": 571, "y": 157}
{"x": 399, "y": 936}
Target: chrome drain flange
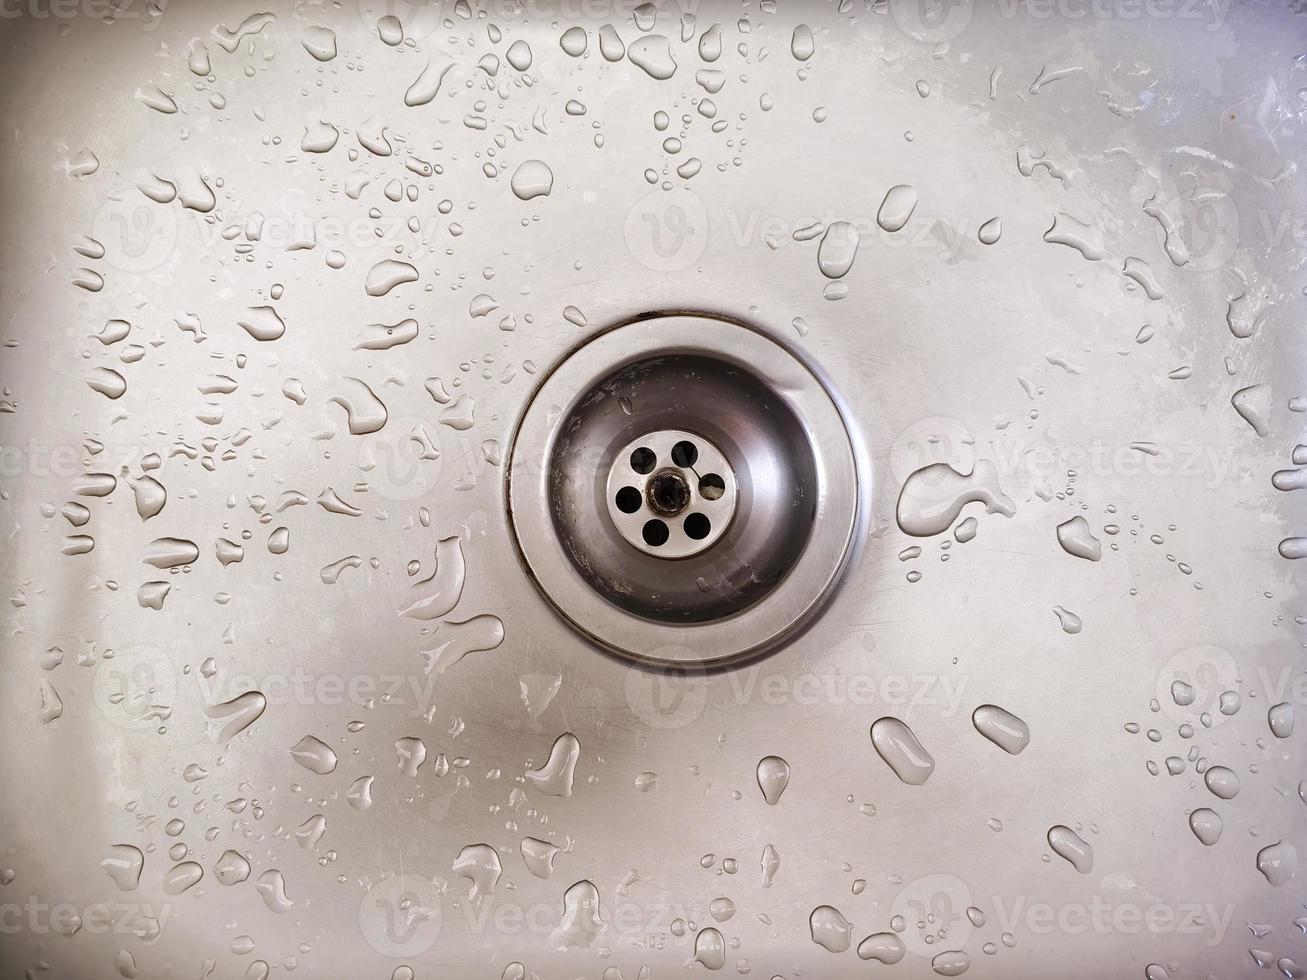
{"x": 685, "y": 490}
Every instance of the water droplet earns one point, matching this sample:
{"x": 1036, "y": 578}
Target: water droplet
{"x": 1001, "y": 727}
{"x": 387, "y": 274}
{"x": 532, "y": 179}
{"x": 991, "y": 231}
{"x": 581, "y": 923}
{"x": 1206, "y": 825}
{"x": 232, "y": 868}
{"x": 1222, "y": 782}
{"x": 1069, "y": 845}
{"x": 773, "y": 777}
{"x": 427, "y": 84}
{"x": 838, "y": 248}
{"x": 538, "y": 856}
{"x": 227, "y": 720}
{"x": 1069, "y": 621}
{"x": 574, "y": 41}
{"x": 320, "y": 42}
{"x": 271, "y": 887}
{"x": 1076, "y": 539}
{"x": 314, "y": 755}
{"x": 801, "y": 43}
{"x": 829, "y": 929}
{"x": 182, "y": 877}
{"x": 1278, "y": 862}
{"x": 897, "y": 745}
{"x": 479, "y": 864}
{"x": 123, "y": 864}
{"x": 556, "y": 776}
{"x": 653, "y": 54}
{"x": 883, "y": 947}
{"x": 1075, "y": 234}
{"x": 933, "y": 497}
{"x": 897, "y": 207}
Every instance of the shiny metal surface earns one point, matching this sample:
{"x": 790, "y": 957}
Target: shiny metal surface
{"x": 678, "y": 480}
{"x": 801, "y": 492}
{"x": 281, "y": 285}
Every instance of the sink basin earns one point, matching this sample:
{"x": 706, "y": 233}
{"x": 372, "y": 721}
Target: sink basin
{"x": 510, "y": 490}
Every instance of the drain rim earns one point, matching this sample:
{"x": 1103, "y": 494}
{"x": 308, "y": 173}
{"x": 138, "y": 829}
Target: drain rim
{"x": 779, "y": 614}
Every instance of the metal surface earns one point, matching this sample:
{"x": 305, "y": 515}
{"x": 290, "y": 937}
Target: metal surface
{"x": 790, "y": 451}
{"x": 676, "y": 481}
{"x": 294, "y": 682}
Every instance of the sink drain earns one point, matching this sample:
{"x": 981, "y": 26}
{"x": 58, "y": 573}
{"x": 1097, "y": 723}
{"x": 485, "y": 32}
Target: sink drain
{"x": 684, "y": 489}
{"x": 671, "y": 493}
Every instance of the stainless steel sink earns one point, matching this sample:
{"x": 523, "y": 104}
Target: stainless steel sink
{"x": 369, "y": 616}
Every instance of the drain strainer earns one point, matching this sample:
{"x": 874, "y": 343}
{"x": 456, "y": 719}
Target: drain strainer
{"x": 671, "y": 493}
{"x": 684, "y": 489}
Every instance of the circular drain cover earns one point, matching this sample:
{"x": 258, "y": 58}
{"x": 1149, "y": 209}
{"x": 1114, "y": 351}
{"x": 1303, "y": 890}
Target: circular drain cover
{"x": 684, "y": 490}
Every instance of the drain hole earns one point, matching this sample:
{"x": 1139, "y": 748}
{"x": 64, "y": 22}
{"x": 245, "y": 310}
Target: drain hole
{"x": 655, "y": 533}
{"x": 643, "y": 460}
{"x": 628, "y": 500}
{"x": 711, "y": 487}
{"x": 684, "y": 453}
{"x": 697, "y": 526}
{"x": 669, "y": 493}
